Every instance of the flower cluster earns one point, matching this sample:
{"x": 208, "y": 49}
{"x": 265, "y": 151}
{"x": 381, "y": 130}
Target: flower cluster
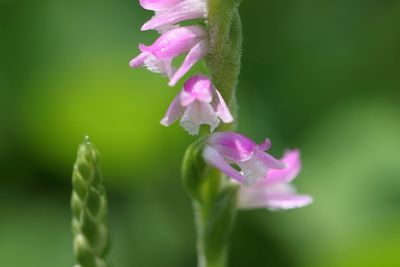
{"x": 265, "y": 180}
{"x": 199, "y": 102}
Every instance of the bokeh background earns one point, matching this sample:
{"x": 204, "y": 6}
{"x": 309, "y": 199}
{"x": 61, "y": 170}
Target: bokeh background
{"x": 322, "y": 76}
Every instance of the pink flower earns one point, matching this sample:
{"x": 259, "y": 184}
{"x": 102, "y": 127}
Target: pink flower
{"x": 170, "y": 12}
{"x": 275, "y": 191}
{"x": 159, "y": 56}
{"x": 227, "y": 148}
{"x": 198, "y": 103}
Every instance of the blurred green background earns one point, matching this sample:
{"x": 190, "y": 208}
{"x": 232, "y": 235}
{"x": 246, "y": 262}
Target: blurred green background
{"x": 323, "y": 76}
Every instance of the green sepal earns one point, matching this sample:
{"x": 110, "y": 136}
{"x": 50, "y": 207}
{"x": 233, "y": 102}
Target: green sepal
{"x": 193, "y": 170}
{"x": 93, "y": 201}
{"x": 201, "y": 182}
{"x": 83, "y": 253}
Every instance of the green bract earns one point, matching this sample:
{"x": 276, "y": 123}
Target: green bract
{"x": 89, "y": 209}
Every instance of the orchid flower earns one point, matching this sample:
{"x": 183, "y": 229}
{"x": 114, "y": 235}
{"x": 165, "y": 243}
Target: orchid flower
{"x": 198, "y": 103}
{"x": 226, "y": 148}
{"x": 275, "y": 191}
{"x": 170, "y": 12}
{"x": 159, "y": 56}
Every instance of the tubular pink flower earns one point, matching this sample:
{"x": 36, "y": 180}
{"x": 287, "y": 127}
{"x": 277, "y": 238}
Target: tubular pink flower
{"x": 170, "y": 12}
{"x": 198, "y": 103}
{"x": 275, "y": 191}
{"x": 227, "y": 148}
{"x": 159, "y": 56}
{"x": 158, "y": 4}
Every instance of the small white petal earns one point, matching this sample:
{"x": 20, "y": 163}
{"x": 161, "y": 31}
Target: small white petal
{"x": 196, "y": 114}
{"x": 155, "y": 65}
{"x": 253, "y": 169}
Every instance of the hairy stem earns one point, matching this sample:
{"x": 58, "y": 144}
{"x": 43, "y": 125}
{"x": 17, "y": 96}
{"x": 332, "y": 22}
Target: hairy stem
{"x": 214, "y": 198}
{"x": 223, "y": 61}
{"x": 214, "y": 223}
{"x": 214, "y": 203}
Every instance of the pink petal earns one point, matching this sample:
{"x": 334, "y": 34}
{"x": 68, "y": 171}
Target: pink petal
{"x": 139, "y": 60}
{"x": 282, "y": 196}
{"x": 232, "y": 146}
{"x": 167, "y": 68}
{"x": 175, "y": 42}
{"x": 187, "y": 98}
{"x": 251, "y": 197}
{"x": 222, "y": 109}
{"x": 174, "y": 112}
{"x": 158, "y": 4}
{"x": 185, "y": 10}
{"x": 292, "y": 159}
{"x": 212, "y": 157}
{"x": 198, "y": 87}
{"x": 270, "y": 161}
{"x": 264, "y": 146}
{"x": 195, "y": 54}
{"x": 288, "y": 201}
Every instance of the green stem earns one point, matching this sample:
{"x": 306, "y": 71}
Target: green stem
{"x": 214, "y": 203}
{"x": 223, "y": 61}
{"x": 201, "y": 217}
{"x": 214, "y": 224}
{"x": 214, "y": 198}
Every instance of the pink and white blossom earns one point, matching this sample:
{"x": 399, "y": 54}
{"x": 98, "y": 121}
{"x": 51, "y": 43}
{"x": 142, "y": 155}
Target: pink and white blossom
{"x": 225, "y": 149}
{"x": 170, "y": 12}
{"x": 198, "y": 103}
{"x": 275, "y": 191}
{"x": 158, "y": 57}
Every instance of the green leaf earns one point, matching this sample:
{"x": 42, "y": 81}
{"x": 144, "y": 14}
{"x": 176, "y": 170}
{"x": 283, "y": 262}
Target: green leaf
{"x": 219, "y": 224}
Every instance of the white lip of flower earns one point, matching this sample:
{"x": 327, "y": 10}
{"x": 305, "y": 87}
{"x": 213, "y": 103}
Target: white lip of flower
{"x": 155, "y": 65}
{"x": 253, "y": 169}
{"x": 196, "y": 114}
{"x": 199, "y": 103}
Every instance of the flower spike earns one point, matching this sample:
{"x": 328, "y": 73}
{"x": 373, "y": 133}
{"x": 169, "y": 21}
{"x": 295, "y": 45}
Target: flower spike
{"x": 170, "y": 12}
{"x": 275, "y": 191}
{"x": 159, "y": 56}
{"x": 226, "y": 148}
{"x": 198, "y": 103}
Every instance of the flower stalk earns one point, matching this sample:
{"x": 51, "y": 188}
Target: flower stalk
{"x": 89, "y": 209}
{"x": 225, "y": 48}
{"x": 214, "y": 202}
{"x": 208, "y": 101}
{"x": 214, "y": 197}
